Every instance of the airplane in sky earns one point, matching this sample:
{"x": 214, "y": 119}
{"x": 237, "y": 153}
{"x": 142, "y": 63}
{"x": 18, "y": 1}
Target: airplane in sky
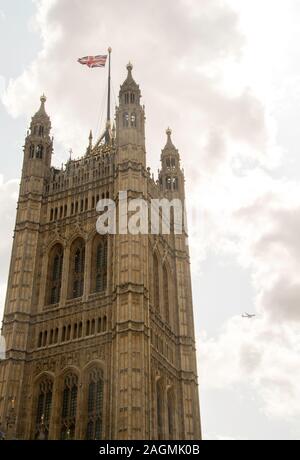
{"x": 248, "y": 316}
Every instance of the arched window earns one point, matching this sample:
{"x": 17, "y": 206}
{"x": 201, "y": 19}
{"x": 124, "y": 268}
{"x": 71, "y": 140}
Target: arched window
{"x": 166, "y": 293}
{"x": 95, "y": 405}
{"x": 132, "y": 98}
{"x": 41, "y": 131}
{"x": 101, "y": 266}
{"x": 171, "y": 421}
{"x": 77, "y": 266}
{"x": 160, "y": 410}
{"x": 43, "y": 410}
{"x": 75, "y": 331}
{"x": 175, "y": 183}
{"x": 155, "y": 282}
{"x": 169, "y": 183}
{"x": 55, "y": 274}
{"x": 45, "y": 336}
{"x": 69, "y": 407}
{"x": 126, "y": 98}
{"x": 39, "y": 152}
{"x": 69, "y": 332}
{"x": 88, "y": 328}
{"x": 31, "y": 151}
{"x": 126, "y": 120}
{"x": 133, "y": 120}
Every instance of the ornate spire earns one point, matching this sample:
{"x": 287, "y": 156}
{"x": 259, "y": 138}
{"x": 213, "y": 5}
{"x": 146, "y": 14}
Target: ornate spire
{"x": 129, "y": 67}
{"x": 40, "y": 123}
{"x": 90, "y": 146}
{"x": 170, "y": 175}
{"x": 169, "y": 145}
{"x": 130, "y": 83}
{"x": 42, "y": 111}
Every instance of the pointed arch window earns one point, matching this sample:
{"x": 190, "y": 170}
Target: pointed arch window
{"x": 126, "y": 120}
{"x": 43, "y": 410}
{"x": 69, "y": 407}
{"x": 133, "y": 120}
{"x": 41, "y": 131}
{"x": 77, "y": 269}
{"x": 101, "y": 266}
{"x": 169, "y": 183}
{"x": 132, "y": 98}
{"x": 55, "y": 274}
{"x": 155, "y": 282}
{"x": 166, "y": 293}
{"x": 31, "y": 151}
{"x": 39, "y": 152}
{"x": 95, "y": 405}
{"x": 175, "y": 183}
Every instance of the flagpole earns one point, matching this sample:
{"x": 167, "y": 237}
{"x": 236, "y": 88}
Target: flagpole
{"x": 107, "y": 131}
{"x": 109, "y": 86}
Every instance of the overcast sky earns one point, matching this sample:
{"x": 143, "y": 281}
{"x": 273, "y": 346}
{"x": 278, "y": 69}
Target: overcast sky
{"x": 225, "y": 76}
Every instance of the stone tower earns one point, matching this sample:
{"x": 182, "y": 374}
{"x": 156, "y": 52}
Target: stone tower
{"x": 99, "y": 328}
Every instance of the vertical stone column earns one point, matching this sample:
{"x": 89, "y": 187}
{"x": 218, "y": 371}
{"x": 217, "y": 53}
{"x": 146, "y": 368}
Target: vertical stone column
{"x": 80, "y": 412}
{"x": 65, "y": 276}
{"x": 43, "y": 286}
{"x": 88, "y": 275}
{"x": 54, "y": 433}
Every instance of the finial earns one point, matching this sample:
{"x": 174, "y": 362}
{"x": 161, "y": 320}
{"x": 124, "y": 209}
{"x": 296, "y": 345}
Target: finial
{"x": 43, "y": 99}
{"x": 129, "y": 66}
{"x": 91, "y": 135}
{"x": 169, "y": 144}
{"x": 71, "y": 153}
{"x": 110, "y": 50}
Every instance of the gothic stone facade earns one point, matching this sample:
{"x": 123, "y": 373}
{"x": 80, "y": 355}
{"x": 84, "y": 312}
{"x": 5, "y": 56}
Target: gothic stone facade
{"x": 99, "y": 329}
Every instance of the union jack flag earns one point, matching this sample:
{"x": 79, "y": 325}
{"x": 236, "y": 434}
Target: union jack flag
{"x": 93, "y": 61}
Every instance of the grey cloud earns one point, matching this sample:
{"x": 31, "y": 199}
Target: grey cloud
{"x": 282, "y": 301}
{"x": 285, "y": 232}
